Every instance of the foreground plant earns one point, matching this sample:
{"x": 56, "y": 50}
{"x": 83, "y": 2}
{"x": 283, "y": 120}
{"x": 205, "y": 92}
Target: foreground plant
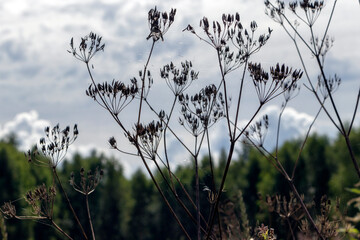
{"x": 219, "y": 101}
{"x": 50, "y": 153}
{"x": 234, "y": 46}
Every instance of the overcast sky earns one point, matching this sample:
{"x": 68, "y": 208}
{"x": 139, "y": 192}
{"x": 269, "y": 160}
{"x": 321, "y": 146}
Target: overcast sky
{"x": 42, "y": 84}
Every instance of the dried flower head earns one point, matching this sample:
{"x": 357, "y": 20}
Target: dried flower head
{"x": 159, "y": 23}
{"x": 285, "y": 208}
{"x": 312, "y": 10}
{"x": 112, "y": 142}
{"x": 88, "y": 182}
{"x": 54, "y": 146}
{"x": 246, "y": 42}
{"x": 115, "y": 96}
{"x": 149, "y": 138}
{"x": 146, "y": 85}
{"x": 256, "y": 132}
{"x": 328, "y": 228}
{"x": 206, "y": 108}
{"x": 264, "y": 233}
{"x": 41, "y": 200}
{"x": 275, "y": 12}
{"x": 291, "y": 89}
{"x": 8, "y": 210}
{"x": 328, "y": 86}
{"x": 178, "y": 80}
{"x": 322, "y": 46}
{"x": 231, "y": 29}
{"x": 267, "y": 90}
{"x": 88, "y": 47}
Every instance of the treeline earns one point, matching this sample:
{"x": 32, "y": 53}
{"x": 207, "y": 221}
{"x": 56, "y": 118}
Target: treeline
{"x": 124, "y": 208}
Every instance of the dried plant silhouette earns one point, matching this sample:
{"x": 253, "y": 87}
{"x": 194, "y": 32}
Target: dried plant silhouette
{"x": 234, "y": 45}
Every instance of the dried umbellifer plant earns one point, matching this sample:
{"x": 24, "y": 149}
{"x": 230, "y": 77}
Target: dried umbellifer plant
{"x": 52, "y": 149}
{"x": 307, "y": 12}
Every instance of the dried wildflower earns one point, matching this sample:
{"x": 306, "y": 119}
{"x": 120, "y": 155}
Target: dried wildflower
{"x": 312, "y": 10}
{"x": 146, "y": 84}
{"x": 8, "y": 210}
{"x": 256, "y": 133}
{"x": 264, "y": 233}
{"x": 88, "y": 182}
{"x": 267, "y": 90}
{"x": 245, "y": 42}
{"x": 285, "y": 208}
{"x": 159, "y": 23}
{"x": 41, "y": 200}
{"x": 115, "y": 95}
{"x": 275, "y": 12}
{"x": 53, "y": 147}
{"x": 178, "y": 80}
{"x": 88, "y": 47}
{"x": 231, "y": 29}
{"x": 329, "y": 85}
{"x": 328, "y": 228}
{"x": 206, "y": 108}
{"x": 112, "y": 142}
{"x": 150, "y": 136}
{"x": 322, "y": 47}
{"x": 290, "y": 89}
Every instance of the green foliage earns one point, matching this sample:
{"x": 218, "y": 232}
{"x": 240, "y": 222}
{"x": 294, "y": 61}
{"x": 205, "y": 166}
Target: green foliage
{"x": 132, "y": 209}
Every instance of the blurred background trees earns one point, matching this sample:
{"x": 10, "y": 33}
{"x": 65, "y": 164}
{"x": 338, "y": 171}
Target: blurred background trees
{"x": 130, "y": 208}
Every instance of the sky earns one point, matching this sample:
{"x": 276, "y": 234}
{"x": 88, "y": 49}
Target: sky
{"x": 42, "y": 84}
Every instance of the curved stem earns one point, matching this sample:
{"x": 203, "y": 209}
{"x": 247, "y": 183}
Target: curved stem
{"x": 355, "y": 110}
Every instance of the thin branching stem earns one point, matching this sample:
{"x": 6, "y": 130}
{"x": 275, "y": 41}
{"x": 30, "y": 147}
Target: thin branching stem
{"x": 165, "y": 145}
{"x": 291, "y": 230}
{"x": 143, "y": 84}
{"x": 239, "y": 98}
{"x": 69, "y": 203}
{"x": 278, "y": 128}
{"x": 225, "y": 94}
{"x": 178, "y": 198}
{"x": 89, "y": 216}
{"x": 354, "y": 114}
{"x": 305, "y": 140}
{"x": 216, "y": 205}
{"x": 197, "y": 198}
{"x": 60, "y": 230}
{"x": 328, "y": 25}
{"x": 160, "y": 191}
{"x": 172, "y": 131}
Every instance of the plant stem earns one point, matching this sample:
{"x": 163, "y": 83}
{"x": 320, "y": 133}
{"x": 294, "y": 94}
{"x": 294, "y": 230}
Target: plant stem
{"x": 89, "y": 216}
{"x": 60, "y": 230}
{"x": 291, "y": 183}
{"x": 69, "y": 203}
{"x": 197, "y": 195}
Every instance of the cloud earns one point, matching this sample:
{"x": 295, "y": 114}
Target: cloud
{"x": 28, "y": 129}
{"x": 294, "y": 124}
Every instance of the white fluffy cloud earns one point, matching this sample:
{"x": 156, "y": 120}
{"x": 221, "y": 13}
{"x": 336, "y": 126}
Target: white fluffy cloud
{"x": 293, "y": 124}
{"x": 28, "y": 128}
